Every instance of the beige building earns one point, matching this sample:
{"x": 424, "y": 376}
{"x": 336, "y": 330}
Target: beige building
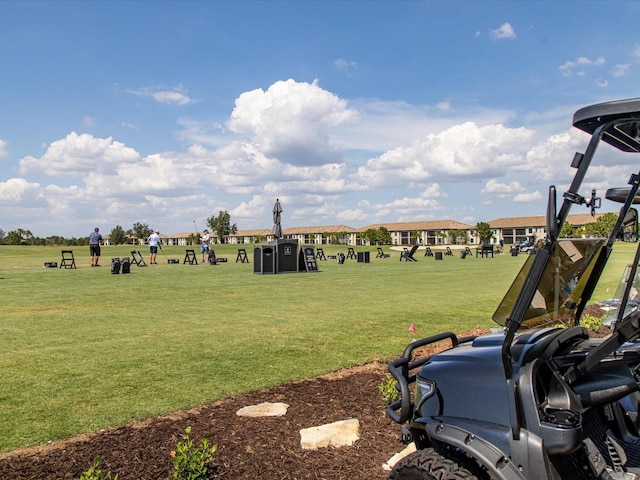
{"x": 435, "y": 232}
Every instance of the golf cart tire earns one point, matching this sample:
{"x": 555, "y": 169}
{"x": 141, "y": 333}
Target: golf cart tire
{"x": 429, "y": 464}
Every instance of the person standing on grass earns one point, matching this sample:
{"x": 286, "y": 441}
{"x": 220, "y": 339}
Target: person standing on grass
{"x": 94, "y": 246}
{"x": 205, "y": 240}
{"x": 154, "y": 241}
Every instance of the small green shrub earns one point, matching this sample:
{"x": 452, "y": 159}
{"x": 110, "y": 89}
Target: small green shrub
{"x": 191, "y": 462}
{"x": 388, "y": 390}
{"x": 592, "y": 323}
{"x": 94, "y": 473}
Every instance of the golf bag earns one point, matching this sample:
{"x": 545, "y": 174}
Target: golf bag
{"x": 125, "y": 265}
{"x": 115, "y": 266}
{"x": 340, "y": 258}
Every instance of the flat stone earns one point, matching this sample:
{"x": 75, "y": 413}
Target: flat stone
{"x": 408, "y": 450}
{"x": 266, "y": 409}
{"x": 337, "y": 434}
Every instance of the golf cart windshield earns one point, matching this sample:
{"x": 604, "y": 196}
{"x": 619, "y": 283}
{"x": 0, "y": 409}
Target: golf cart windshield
{"x": 559, "y": 291}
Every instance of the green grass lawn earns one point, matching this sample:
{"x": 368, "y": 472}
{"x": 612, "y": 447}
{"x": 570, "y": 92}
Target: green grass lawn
{"x": 83, "y": 349}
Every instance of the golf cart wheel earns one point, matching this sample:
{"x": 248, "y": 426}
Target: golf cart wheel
{"x": 428, "y": 464}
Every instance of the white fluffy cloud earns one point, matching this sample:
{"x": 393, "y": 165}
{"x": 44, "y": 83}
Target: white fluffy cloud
{"x": 465, "y": 150}
{"x": 324, "y": 159}
{"x": 569, "y": 66}
{"x": 290, "y": 121}
{"x": 79, "y": 154}
{"x": 16, "y": 191}
{"x": 175, "y": 95}
{"x": 3, "y": 148}
{"x": 504, "y": 31}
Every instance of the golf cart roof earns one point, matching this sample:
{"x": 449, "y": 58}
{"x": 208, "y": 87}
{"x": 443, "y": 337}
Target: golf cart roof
{"x": 624, "y": 136}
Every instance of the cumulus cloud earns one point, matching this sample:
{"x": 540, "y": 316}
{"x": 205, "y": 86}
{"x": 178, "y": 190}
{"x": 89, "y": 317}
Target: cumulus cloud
{"x": 176, "y": 95}
{"x": 16, "y": 191}
{"x": 504, "y": 31}
{"x": 462, "y": 151}
{"x": 621, "y": 70}
{"x": 290, "y": 121}
{"x": 528, "y": 197}
{"x": 567, "y": 68}
{"x": 501, "y": 190}
{"x": 549, "y": 159}
{"x": 407, "y": 208}
{"x": 80, "y": 154}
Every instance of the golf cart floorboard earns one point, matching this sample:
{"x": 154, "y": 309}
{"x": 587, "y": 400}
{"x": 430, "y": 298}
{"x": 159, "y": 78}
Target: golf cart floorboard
{"x": 597, "y": 430}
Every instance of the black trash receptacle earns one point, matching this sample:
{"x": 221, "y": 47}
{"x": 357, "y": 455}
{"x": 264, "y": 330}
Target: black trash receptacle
{"x": 363, "y": 257}
{"x": 514, "y": 251}
{"x": 438, "y": 255}
{"x": 264, "y": 260}
{"x": 286, "y": 256}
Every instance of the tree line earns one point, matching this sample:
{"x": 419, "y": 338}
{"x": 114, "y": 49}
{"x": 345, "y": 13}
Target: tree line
{"x": 220, "y": 224}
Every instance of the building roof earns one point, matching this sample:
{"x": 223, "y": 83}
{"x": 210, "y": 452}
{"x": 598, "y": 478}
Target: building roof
{"x": 422, "y": 225}
{"x": 540, "y": 221}
{"x": 320, "y": 230}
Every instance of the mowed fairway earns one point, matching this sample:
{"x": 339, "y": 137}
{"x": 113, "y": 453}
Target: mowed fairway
{"x": 84, "y": 349}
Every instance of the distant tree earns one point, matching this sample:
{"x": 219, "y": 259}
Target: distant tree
{"x": 415, "y": 236}
{"x": 371, "y": 235}
{"x": 193, "y": 239}
{"x": 141, "y": 231}
{"x": 601, "y": 227}
{"x": 19, "y": 237}
{"x": 567, "y": 230}
{"x": 458, "y": 234}
{"x": 1, "y": 235}
{"x": 221, "y": 225}
{"x": 484, "y": 232}
{"x": 117, "y": 236}
{"x": 56, "y": 240}
{"x": 384, "y": 237}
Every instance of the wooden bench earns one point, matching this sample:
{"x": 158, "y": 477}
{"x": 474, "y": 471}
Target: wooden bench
{"x": 484, "y": 251}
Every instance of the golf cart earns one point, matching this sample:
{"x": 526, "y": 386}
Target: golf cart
{"x": 539, "y": 399}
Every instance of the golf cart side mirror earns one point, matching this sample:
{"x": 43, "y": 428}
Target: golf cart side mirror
{"x": 552, "y": 221}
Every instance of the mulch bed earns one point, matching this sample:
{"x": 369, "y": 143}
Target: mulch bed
{"x": 262, "y": 448}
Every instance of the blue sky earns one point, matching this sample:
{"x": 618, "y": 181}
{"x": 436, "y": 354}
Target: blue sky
{"x": 349, "y": 112}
